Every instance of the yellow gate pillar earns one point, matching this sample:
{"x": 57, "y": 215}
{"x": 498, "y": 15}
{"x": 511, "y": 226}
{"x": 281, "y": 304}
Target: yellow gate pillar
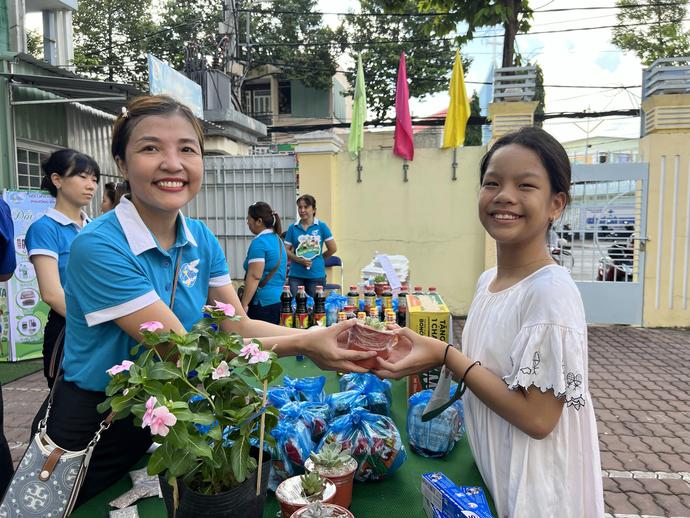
{"x": 666, "y": 148}
{"x": 316, "y": 152}
{"x": 505, "y": 118}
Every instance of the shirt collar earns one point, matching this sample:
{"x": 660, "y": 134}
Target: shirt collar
{"x": 315, "y": 222}
{"x": 139, "y": 237}
{"x": 59, "y": 217}
{"x": 267, "y": 231}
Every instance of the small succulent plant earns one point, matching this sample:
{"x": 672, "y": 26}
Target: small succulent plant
{"x": 317, "y": 510}
{"x": 380, "y": 278}
{"x": 331, "y": 455}
{"x": 375, "y": 324}
{"x": 313, "y": 485}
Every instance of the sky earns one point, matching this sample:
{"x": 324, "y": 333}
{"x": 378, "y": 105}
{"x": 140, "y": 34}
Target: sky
{"x": 568, "y": 58}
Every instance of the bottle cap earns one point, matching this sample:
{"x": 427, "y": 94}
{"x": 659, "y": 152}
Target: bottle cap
{"x": 386, "y": 287}
{"x": 286, "y": 288}
{"x": 353, "y": 288}
{"x": 302, "y": 288}
{"x": 321, "y": 288}
{"x": 403, "y": 288}
{"x": 417, "y": 288}
{"x": 370, "y": 287}
{"x": 348, "y": 308}
{"x": 361, "y": 314}
{"x": 432, "y": 288}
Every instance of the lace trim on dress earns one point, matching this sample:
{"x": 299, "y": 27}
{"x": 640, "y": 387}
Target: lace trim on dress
{"x": 575, "y": 401}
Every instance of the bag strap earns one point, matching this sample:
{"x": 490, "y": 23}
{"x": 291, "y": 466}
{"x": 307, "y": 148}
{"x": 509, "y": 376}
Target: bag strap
{"x": 177, "y": 274}
{"x": 270, "y": 275}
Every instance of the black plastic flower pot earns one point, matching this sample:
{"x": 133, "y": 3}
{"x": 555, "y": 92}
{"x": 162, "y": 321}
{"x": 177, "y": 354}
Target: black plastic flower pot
{"x": 241, "y": 502}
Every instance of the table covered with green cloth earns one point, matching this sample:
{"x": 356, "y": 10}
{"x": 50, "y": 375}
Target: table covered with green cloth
{"x": 398, "y": 496}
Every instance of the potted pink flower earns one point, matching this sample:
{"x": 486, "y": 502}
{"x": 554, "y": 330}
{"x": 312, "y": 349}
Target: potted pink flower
{"x": 209, "y": 422}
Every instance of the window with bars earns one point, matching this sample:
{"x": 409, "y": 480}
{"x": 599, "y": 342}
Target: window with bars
{"x": 29, "y": 168}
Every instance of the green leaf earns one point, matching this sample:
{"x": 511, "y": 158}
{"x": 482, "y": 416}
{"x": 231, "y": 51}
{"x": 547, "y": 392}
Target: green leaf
{"x": 198, "y": 446}
{"x": 135, "y": 350}
{"x": 157, "y": 462}
{"x": 170, "y": 392}
{"x": 273, "y": 373}
{"x": 238, "y": 458}
{"x": 204, "y": 418}
{"x": 165, "y": 371}
{"x": 215, "y": 433}
{"x": 105, "y": 406}
{"x": 183, "y": 414}
{"x": 178, "y": 435}
{"x": 180, "y": 405}
{"x": 181, "y": 461}
{"x": 120, "y": 402}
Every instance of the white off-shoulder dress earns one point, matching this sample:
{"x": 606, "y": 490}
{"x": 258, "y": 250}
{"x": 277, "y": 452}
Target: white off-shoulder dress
{"x": 533, "y": 335}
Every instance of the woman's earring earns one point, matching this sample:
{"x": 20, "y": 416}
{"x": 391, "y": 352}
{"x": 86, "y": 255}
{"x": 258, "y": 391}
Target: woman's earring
{"x": 57, "y": 186}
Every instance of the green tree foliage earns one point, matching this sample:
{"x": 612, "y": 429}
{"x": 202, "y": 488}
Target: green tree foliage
{"x": 473, "y": 134}
{"x": 428, "y": 64}
{"x": 34, "y": 44}
{"x": 664, "y": 37}
{"x": 109, "y": 41}
{"x": 512, "y": 15}
{"x": 289, "y": 28}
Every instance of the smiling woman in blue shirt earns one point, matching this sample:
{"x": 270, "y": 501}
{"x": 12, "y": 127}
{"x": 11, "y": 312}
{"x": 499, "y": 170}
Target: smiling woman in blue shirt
{"x": 263, "y": 256}
{"x": 122, "y": 270}
{"x": 304, "y": 243}
{"x": 71, "y": 178}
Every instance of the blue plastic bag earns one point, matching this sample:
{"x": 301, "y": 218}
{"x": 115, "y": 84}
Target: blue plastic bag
{"x": 357, "y": 381}
{"x": 293, "y": 445}
{"x": 279, "y": 395}
{"x": 437, "y": 437}
{"x": 373, "y": 441}
{"x": 307, "y": 389}
{"x": 315, "y": 416}
{"x": 310, "y": 303}
{"x": 334, "y": 303}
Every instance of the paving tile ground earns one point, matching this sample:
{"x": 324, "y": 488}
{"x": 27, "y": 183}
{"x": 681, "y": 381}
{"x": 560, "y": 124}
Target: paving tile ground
{"x": 640, "y": 385}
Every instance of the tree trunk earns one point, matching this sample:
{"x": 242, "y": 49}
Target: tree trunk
{"x": 510, "y": 27}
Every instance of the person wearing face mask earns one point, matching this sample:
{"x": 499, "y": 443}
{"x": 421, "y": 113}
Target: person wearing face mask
{"x": 71, "y": 178}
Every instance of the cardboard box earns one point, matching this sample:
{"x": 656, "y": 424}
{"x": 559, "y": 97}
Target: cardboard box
{"x": 450, "y": 499}
{"x": 427, "y": 315}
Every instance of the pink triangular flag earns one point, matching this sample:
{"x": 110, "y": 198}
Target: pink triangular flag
{"x": 404, "y": 142}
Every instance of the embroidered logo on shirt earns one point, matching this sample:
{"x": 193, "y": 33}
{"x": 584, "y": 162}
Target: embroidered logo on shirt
{"x": 188, "y": 273}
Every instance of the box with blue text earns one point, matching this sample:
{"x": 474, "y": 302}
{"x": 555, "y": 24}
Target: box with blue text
{"x": 452, "y": 501}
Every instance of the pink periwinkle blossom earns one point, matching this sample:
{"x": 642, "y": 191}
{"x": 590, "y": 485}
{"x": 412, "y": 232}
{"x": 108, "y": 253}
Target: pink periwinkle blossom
{"x": 116, "y": 369}
{"x": 162, "y": 418}
{"x": 228, "y": 309}
{"x": 148, "y": 415}
{"x": 260, "y": 357}
{"x": 249, "y": 350}
{"x": 222, "y": 371}
{"x": 151, "y": 326}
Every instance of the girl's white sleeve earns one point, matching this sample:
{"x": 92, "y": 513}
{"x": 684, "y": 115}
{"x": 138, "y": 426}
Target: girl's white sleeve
{"x": 549, "y": 356}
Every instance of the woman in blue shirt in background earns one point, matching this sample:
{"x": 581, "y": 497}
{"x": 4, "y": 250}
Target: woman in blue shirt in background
{"x": 121, "y": 274}
{"x": 304, "y": 243}
{"x": 265, "y": 250}
{"x": 71, "y": 178}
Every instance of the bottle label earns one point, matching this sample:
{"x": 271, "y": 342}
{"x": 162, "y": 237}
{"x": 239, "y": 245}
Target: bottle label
{"x": 402, "y": 303}
{"x": 353, "y": 301}
{"x": 302, "y": 320}
{"x": 386, "y": 302}
{"x": 287, "y": 320}
{"x": 369, "y": 302}
{"x": 320, "y": 319}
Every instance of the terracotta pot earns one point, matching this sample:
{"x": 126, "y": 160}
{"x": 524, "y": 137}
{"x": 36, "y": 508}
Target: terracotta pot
{"x": 291, "y": 498}
{"x": 378, "y": 288}
{"x": 339, "y": 512}
{"x": 343, "y": 483}
{"x": 364, "y": 338}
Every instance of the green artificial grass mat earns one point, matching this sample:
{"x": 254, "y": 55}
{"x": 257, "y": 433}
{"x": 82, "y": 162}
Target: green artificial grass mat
{"x": 399, "y": 495}
{"x": 10, "y": 372}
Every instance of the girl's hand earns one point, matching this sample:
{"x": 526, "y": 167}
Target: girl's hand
{"x": 412, "y": 354}
{"x": 326, "y": 348}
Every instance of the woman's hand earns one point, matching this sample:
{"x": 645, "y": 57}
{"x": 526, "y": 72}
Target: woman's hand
{"x": 304, "y": 261}
{"x": 326, "y": 348}
{"x": 411, "y": 355}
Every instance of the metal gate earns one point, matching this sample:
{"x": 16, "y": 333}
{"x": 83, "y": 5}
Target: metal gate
{"x": 231, "y": 184}
{"x": 602, "y": 237}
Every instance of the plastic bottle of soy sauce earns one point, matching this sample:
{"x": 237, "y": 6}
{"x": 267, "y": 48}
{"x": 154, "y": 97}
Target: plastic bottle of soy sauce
{"x": 286, "y": 318}
{"x": 386, "y": 301}
{"x": 369, "y": 299}
{"x": 319, "y": 313}
{"x": 301, "y": 313}
{"x": 353, "y": 297}
{"x": 418, "y": 291}
{"x": 402, "y": 307}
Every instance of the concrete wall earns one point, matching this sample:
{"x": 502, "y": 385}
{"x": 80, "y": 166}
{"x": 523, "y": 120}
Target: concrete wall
{"x": 668, "y": 251}
{"x": 430, "y": 219}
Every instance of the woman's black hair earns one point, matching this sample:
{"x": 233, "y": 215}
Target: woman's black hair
{"x": 550, "y": 152}
{"x": 66, "y": 163}
{"x": 309, "y": 200}
{"x": 263, "y": 211}
{"x": 109, "y": 191}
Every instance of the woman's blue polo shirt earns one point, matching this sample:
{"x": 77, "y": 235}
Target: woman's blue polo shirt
{"x": 116, "y": 267}
{"x": 52, "y": 235}
{"x": 308, "y": 243}
{"x": 264, "y": 249}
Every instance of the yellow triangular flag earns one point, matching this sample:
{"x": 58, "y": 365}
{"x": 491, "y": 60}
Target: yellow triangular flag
{"x": 459, "y": 108}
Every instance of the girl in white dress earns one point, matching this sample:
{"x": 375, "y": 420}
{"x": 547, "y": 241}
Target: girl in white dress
{"x": 528, "y": 411}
